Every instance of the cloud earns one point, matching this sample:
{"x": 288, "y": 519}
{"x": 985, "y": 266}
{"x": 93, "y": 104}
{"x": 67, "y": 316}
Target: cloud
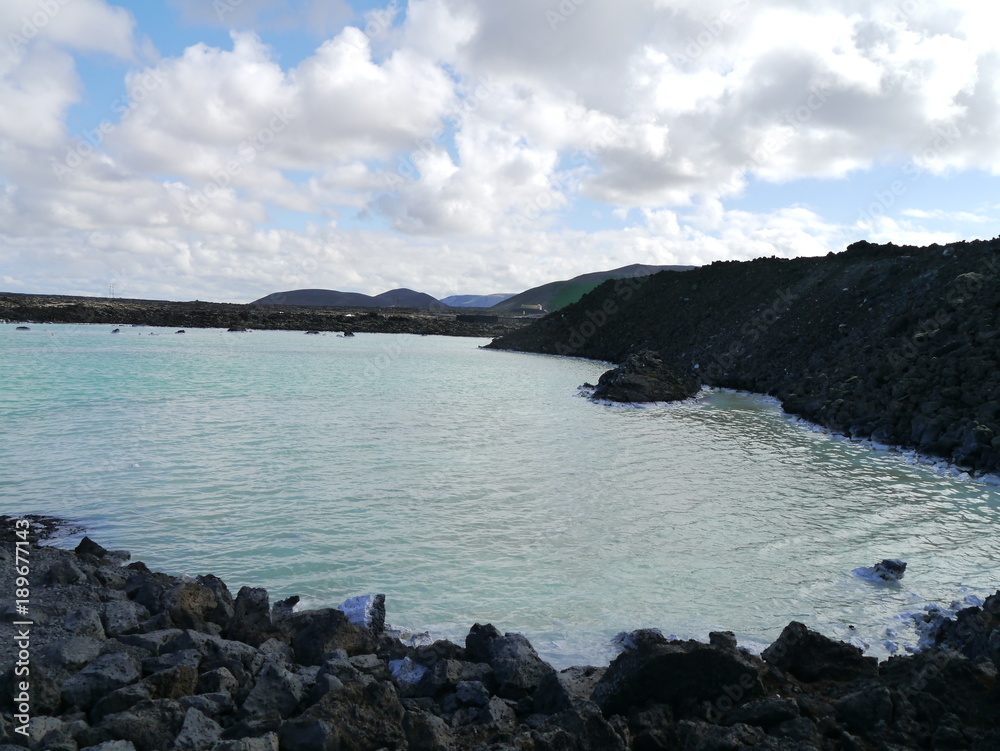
{"x": 450, "y": 145}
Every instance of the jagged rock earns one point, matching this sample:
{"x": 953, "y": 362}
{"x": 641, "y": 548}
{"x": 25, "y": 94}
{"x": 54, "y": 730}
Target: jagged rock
{"x": 408, "y": 675}
{"x": 122, "y": 617}
{"x": 217, "y": 680}
{"x": 371, "y": 665}
{"x": 677, "y": 673}
{"x": 367, "y": 716}
{"x": 88, "y": 547}
{"x": 564, "y": 690}
{"x": 496, "y": 712}
{"x": 119, "y": 701}
{"x": 152, "y": 641}
{"x": 588, "y": 727}
{"x": 478, "y": 644}
{"x": 210, "y": 704}
{"x": 150, "y": 725}
{"x": 314, "y": 633}
{"x": 278, "y": 652}
{"x": 63, "y": 572}
{"x": 276, "y": 694}
{"x": 426, "y": 732}
{"x": 810, "y": 656}
{"x": 888, "y": 570}
{"x": 111, "y": 746}
{"x": 765, "y": 713}
{"x": 309, "y": 735}
{"x": 238, "y": 658}
{"x": 251, "y": 621}
{"x": 472, "y": 694}
{"x": 85, "y": 622}
{"x": 266, "y": 742}
{"x": 222, "y": 614}
{"x": 367, "y": 611}
{"x": 198, "y": 732}
{"x": 105, "y": 674}
{"x": 517, "y": 666}
{"x": 975, "y": 631}
{"x": 147, "y": 588}
{"x": 285, "y": 607}
{"x": 645, "y": 377}
{"x": 188, "y": 605}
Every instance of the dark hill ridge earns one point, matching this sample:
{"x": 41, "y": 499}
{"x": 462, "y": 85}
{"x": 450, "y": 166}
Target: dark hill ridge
{"x": 557, "y": 295}
{"x": 330, "y": 298}
{"x": 897, "y": 344}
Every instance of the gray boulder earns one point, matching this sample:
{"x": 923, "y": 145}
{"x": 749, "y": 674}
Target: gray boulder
{"x": 198, "y": 732}
{"x": 276, "y": 694}
{"x": 645, "y": 377}
{"x": 105, "y": 674}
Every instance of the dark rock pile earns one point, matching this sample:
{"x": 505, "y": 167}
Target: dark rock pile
{"x": 125, "y": 658}
{"x": 239, "y": 318}
{"x": 897, "y": 344}
{"x": 644, "y": 377}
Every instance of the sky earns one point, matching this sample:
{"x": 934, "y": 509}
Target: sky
{"x": 226, "y": 149}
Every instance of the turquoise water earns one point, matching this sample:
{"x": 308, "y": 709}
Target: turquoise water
{"x": 472, "y": 485}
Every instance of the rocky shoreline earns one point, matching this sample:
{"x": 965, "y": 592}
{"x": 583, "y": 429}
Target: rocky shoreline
{"x": 119, "y": 657}
{"x": 900, "y": 345}
{"x": 16, "y": 308}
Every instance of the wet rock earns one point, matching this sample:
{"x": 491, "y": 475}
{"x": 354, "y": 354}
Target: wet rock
{"x": 251, "y": 620}
{"x": 678, "y": 674}
{"x": 285, "y": 607}
{"x": 314, "y": 633}
{"x": 222, "y": 614}
{"x": 188, "y": 604}
{"x": 516, "y": 665}
{"x": 558, "y": 692}
{"x": 88, "y": 547}
{"x": 62, "y": 573}
{"x": 367, "y": 611}
{"x": 478, "y": 643}
{"x": 975, "y": 631}
{"x": 645, "y": 377}
{"x": 810, "y": 656}
{"x": 888, "y": 570}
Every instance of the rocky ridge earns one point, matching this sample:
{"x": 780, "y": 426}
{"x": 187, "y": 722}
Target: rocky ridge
{"x": 235, "y": 317}
{"x": 896, "y": 344}
{"x": 126, "y": 658}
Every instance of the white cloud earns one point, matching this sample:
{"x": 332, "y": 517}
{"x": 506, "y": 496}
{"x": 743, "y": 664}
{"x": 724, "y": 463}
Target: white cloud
{"x": 472, "y": 132}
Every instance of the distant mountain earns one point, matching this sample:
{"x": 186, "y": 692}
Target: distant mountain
{"x": 406, "y": 298}
{"x": 474, "y": 301}
{"x": 557, "y": 295}
{"x": 330, "y": 298}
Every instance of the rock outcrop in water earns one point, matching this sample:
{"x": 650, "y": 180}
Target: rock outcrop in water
{"x": 644, "y": 377}
{"x": 896, "y": 344}
{"x": 124, "y": 658}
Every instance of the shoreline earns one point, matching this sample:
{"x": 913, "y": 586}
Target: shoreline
{"x": 39, "y": 309}
{"x": 117, "y": 649}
